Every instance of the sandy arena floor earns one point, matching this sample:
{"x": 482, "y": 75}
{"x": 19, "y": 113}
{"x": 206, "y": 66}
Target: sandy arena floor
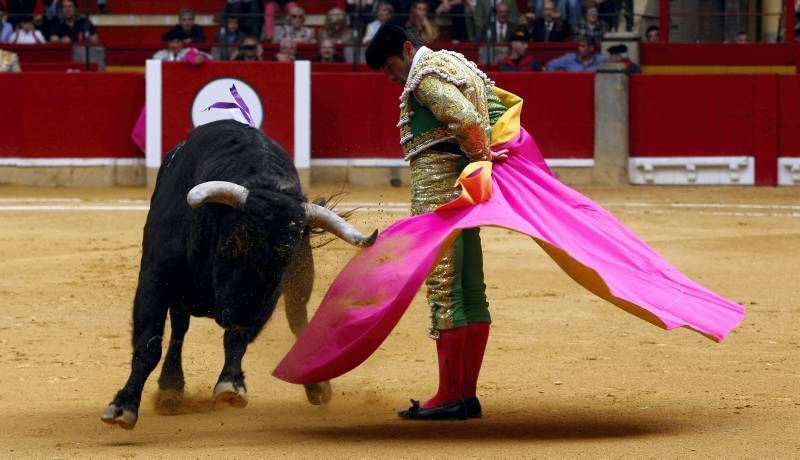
{"x": 566, "y": 375}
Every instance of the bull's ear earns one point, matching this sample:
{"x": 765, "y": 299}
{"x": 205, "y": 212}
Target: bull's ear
{"x": 324, "y": 218}
{"x": 222, "y": 192}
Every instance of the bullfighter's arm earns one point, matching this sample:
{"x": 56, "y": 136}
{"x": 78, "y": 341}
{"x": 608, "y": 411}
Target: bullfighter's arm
{"x": 451, "y": 107}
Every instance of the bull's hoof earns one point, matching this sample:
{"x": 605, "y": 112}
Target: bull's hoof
{"x": 319, "y": 393}
{"x": 230, "y": 393}
{"x": 114, "y": 415}
{"x": 169, "y": 401}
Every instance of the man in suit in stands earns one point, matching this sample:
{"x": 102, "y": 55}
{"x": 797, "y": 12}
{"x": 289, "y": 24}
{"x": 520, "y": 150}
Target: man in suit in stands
{"x": 550, "y": 27}
{"x": 187, "y": 29}
{"x": 72, "y": 28}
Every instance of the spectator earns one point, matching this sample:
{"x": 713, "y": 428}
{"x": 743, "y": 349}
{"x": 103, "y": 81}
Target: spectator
{"x": 72, "y": 28}
{"x": 327, "y": 52}
{"x": 6, "y": 29}
{"x": 585, "y": 59}
{"x": 566, "y": 9}
{"x": 518, "y": 58}
{"x": 591, "y": 26}
{"x": 287, "y": 52}
{"x": 9, "y": 62}
{"x": 742, "y": 38}
{"x": 175, "y": 50}
{"x": 271, "y": 8}
{"x": 550, "y": 27}
{"x": 249, "y": 50}
{"x": 188, "y": 31}
{"x": 336, "y": 27}
{"x": 456, "y": 11}
{"x": 26, "y": 33}
{"x": 419, "y": 22}
{"x": 295, "y": 29}
{"x": 652, "y": 35}
{"x": 227, "y": 37}
{"x": 383, "y": 14}
{"x": 482, "y": 16}
{"x": 249, "y": 13}
{"x": 19, "y": 11}
{"x": 619, "y": 54}
{"x": 504, "y": 24}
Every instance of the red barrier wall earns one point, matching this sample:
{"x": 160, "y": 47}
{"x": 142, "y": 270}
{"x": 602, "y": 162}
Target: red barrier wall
{"x": 273, "y": 81}
{"x": 355, "y": 114}
{"x": 720, "y": 54}
{"x": 705, "y": 115}
{"x": 68, "y": 115}
{"x": 789, "y": 116}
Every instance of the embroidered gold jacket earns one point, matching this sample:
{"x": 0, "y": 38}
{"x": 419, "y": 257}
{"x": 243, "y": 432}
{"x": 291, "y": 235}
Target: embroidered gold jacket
{"x": 447, "y": 98}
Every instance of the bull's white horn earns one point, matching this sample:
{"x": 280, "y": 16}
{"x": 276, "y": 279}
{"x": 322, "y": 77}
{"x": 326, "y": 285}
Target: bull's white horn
{"x": 217, "y": 191}
{"x": 324, "y": 218}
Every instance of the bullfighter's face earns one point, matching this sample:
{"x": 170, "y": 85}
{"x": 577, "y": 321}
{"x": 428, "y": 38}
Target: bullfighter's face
{"x": 398, "y": 67}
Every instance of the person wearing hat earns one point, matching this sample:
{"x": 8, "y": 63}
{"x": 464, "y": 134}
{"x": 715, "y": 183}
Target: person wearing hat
{"x": 447, "y": 112}
{"x": 619, "y": 54}
{"x": 518, "y": 58}
{"x": 175, "y": 50}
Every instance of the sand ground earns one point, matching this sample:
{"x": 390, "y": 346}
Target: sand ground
{"x": 566, "y": 374}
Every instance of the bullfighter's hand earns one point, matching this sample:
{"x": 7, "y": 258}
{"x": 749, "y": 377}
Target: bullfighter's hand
{"x": 500, "y": 155}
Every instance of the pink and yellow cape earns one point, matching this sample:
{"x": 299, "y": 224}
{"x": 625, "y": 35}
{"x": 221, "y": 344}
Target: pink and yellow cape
{"x": 372, "y": 292}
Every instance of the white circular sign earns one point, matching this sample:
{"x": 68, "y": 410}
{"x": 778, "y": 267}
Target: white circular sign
{"x": 220, "y": 91}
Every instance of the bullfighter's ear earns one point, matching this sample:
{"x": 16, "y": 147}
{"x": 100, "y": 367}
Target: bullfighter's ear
{"x": 324, "y": 218}
{"x": 222, "y": 192}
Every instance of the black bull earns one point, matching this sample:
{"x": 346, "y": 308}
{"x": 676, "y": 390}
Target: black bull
{"x": 241, "y": 241}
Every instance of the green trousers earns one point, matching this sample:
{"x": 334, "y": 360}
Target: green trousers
{"x": 456, "y": 290}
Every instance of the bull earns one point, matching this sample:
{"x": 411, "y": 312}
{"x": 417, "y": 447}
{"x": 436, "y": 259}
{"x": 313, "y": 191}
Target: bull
{"x": 241, "y": 243}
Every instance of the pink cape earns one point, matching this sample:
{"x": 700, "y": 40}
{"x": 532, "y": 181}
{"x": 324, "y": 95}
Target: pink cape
{"x": 372, "y": 292}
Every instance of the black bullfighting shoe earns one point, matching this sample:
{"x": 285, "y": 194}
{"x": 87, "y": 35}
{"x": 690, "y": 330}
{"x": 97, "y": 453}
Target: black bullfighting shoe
{"x": 455, "y": 410}
{"x": 473, "y": 407}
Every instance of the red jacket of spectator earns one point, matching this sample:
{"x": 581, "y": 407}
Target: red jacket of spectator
{"x": 527, "y": 62}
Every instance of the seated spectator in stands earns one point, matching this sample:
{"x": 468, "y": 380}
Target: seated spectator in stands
{"x": 610, "y": 10}
{"x": 336, "y": 27}
{"x": 271, "y": 8}
{"x": 456, "y": 11}
{"x": 287, "y": 52}
{"x": 652, "y": 35}
{"x": 226, "y": 39}
{"x": 6, "y": 29}
{"x": 518, "y": 58}
{"x": 249, "y": 50}
{"x": 72, "y": 28}
{"x": 175, "y": 50}
{"x": 26, "y": 34}
{"x": 295, "y": 29}
{"x": 504, "y": 25}
{"x": 9, "y": 62}
{"x": 188, "y": 30}
{"x": 586, "y": 59}
{"x": 550, "y": 27}
{"x": 327, "y": 52}
{"x": 19, "y": 10}
{"x": 419, "y": 22}
{"x": 591, "y": 26}
{"x": 742, "y": 38}
{"x": 249, "y": 13}
{"x": 619, "y": 54}
{"x": 383, "y": 14}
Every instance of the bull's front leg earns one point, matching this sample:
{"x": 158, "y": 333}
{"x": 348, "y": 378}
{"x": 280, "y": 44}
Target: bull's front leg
{"x": 149, "y": 315}
{"x": 230, "y": 387}
{"x": 297, "y": 286}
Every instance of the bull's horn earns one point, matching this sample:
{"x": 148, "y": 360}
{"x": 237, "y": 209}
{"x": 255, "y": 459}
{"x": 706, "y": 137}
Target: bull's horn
{"x": 217, "y": 191}
{"x": 324, "y": 218}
